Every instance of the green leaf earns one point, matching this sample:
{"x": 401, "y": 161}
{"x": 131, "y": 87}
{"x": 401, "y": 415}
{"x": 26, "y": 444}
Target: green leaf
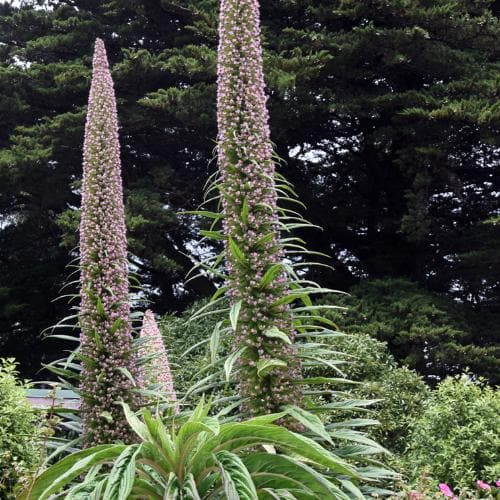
{"x": 220, "y": 291}
{"x": 265, "y": 419}
{"x": 63, "y": 472}
{"x": 357, "y": 437}
{"x": 190, "y": 489}
{"x": 202, "y": 311}
{"x": 172, "y": 488}
{"x": 239, "y": 436}
{"x": 264, "y": 366}
{"x": 310, "y": 421}
{"x": 270, "y": 275}
{"x": 146, "y": 489}
{"x": 137, "y": 426}
{"x": 275, "y": 333}
{"x": 213, "y": 235}
{"x": 236, "y": 480}
{"x": 264, "y": 240}
{"x": 215, "y": 342}
{"x": 159, "y": 438}
{"x": 325, "y": 380}
{"x": 353, "y": 489}
{"x": 351, "y": 404}
{"x": 244, "y": 211}
{"x": 116, "y": 326}
{"x": 184, "y": 442}
{"x": 205, "y": 213}
{"x": 88, "y": 490}
{"x": 100, "y": 307}
{"x": 270, "y": 494}
{"x": 283, "y": 472}
{"x": 355, "y": 422}
{"x": 234, "y": 314}
{"x": 127, "y": 374}
{"x": 122, "y": 475}
{"x": 236, "y": 251}
{"x": 231, "y": 359}
{"x": 106, "y": 415}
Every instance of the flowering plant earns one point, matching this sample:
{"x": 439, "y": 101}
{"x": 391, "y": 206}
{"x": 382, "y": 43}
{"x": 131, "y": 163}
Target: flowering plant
{"x": 155, "y": 374}
{"x": 197, "y": 457}
{"x": 429, "y": 489}
{"x": 108, "y": 361}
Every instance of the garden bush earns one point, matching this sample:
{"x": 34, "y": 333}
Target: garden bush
{"x": 18, "y": 430}
{"x": 401, "y": 391}
{"x": 455, "y": 441}
{"x": 402, "y": 395}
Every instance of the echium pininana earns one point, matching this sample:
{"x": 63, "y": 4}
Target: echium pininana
{"x": 108, "y": 361}
{"x": 156, "y": 372}
{"x": 254, "y": 253}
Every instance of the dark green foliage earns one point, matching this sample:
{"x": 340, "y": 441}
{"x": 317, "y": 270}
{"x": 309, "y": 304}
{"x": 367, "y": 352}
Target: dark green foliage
{"x": 426, "y": 331}
{"x": 19, "y": 454}
{"x": 456, "y": 439}
{"x": 40, "y": 166}
{"x": 386, "y": 112}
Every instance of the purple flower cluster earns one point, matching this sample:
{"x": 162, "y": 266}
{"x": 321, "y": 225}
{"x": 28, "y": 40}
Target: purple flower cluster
{"x": 106, "y": 333}
{"x": 446, "y": 491}
{"x": 156, "y": 372}
{"x": 251, "y": 224}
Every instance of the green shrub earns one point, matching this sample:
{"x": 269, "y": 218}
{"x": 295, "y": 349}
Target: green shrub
{"x": 402, "y": 392}
{"x": 455, "y": 441}
{"x": 18, "y": 451}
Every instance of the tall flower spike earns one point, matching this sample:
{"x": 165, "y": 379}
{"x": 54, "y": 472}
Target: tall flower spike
{"x": 268, "y": 364}
{"x": 106, "y": 333}
{"x": 156, "y": 371}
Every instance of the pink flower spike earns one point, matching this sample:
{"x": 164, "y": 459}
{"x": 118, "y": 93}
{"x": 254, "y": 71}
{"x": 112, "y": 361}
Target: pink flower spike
{"x": 251, "y": 216}
{"x": 156, "y": 372}
{"x": 106, "y": 330}
{"x": 482, "y": 485}
{"x": 445, "y": 490}
{"x": 497, "y": 483}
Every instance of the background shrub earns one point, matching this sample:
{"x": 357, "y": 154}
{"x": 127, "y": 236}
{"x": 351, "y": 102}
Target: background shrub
{"x": 402, "y": 391}
{"x": 456, "y": 441}
{"x": 18, "y": 430}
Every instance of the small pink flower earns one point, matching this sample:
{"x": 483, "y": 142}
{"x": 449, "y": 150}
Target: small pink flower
{"x": 445, "y": 490}
{"x": 482, "y": 485}
{"x": 497, "y": 483}
{"x": 415, "y": 495}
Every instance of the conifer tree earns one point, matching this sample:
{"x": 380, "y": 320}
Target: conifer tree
{"x": 106, "y": 332}
{"x": 369, "y": 74}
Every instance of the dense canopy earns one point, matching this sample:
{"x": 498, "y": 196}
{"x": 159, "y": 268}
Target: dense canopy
{"x": 386, "y": 113}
